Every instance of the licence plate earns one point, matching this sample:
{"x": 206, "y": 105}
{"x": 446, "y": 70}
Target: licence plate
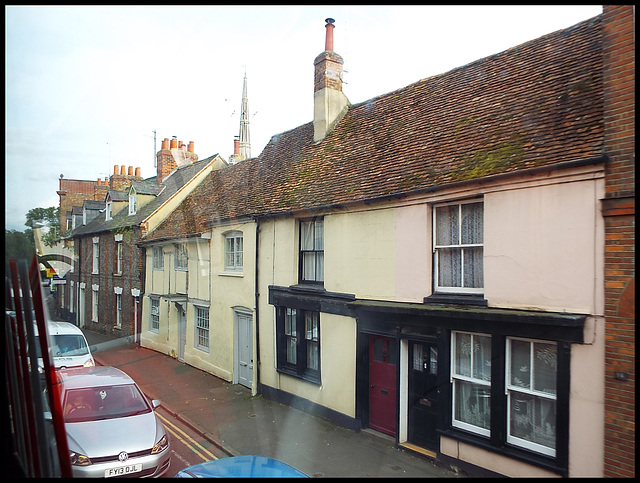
{"x": 123, "y": 470}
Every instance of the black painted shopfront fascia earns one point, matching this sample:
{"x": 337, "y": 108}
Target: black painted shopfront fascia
{"x": 431, "y": 324}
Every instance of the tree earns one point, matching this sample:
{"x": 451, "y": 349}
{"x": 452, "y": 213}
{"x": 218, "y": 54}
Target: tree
{"x": 49, "y": 217}
{"x": 19, "y": 245}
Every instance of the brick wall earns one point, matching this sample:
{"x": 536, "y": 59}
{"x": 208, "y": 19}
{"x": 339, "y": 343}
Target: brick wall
{"x": 72, "y": 192}
{"x": 107, "y": 279}
{"x": 618, "y": 208}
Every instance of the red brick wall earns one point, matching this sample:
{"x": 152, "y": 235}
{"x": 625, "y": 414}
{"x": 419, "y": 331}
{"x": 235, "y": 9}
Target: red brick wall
{"x": 618, "y": 208}
{"x": 72, "y": 192}
{"x": 107, "y": 279}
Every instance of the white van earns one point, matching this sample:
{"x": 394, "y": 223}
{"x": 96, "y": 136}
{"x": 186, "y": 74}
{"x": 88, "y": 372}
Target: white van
{"x": 68, "y": 346}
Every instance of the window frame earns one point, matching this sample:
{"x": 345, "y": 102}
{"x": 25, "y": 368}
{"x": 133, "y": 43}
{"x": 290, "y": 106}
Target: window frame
{"x": 118, "y": 310}
{"x": 181, "y": 256}
{"x": 108, "y": 210}
{"x": 157, "y": 258}
{"x": 154, "y": 319}
{"x": 531, "y": 392}
{"x": 467, "y": 379}
{"x": 463, "y": 247}
{"x": 497, "y": 439}
{"x": 235, "y": 265}
{"x": 119, "y": 257}
{"x": 71, "y": 298}
{"x": 94, "y": 304}
{"x": 95, "y": 267}
{"x": 286, "y": 339}
{"x": 133, "y": 202}
{"x": 316, "y": 251}
{"x": 199, "y": 313}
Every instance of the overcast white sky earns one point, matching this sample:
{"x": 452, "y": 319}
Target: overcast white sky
{"x": 87, "y": 86}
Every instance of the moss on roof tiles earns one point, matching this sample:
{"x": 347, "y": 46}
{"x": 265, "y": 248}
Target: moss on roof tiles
{"x": 536, "y": 104}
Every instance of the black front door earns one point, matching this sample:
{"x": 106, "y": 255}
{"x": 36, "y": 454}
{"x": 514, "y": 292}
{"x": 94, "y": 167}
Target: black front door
{"x": 423, "y": 394}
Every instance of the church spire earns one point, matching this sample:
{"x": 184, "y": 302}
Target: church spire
{"x": 245, "y": 143}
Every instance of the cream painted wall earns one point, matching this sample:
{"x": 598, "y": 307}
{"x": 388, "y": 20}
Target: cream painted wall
{"x": 199, "y": 285}
{"x": 228, "y": 290}
{"x": 338, "y": 367}
{"x": 540, "y": 247}
{"x": 165, "y": 340}
{"x": 277, "y": 267}
{"x": 360, "y": 249}
{"x": 386, "y": 255}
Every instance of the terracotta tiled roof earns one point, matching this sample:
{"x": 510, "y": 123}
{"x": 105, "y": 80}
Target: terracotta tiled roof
{"x": 534, "y": 105}
{"x": 165, "y": 190}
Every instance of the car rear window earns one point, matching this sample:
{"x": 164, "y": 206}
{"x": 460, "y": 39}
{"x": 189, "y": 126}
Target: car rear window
{"x": 105, "y": 402}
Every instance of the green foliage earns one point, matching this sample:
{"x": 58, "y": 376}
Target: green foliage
{"x": 46, "y": 216}
{"x": 49, "y": 217}
{"x": 19, "y": 245}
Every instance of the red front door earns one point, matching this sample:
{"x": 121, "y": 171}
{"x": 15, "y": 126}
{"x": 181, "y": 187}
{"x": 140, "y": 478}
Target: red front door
{"x": 383, "y": 362}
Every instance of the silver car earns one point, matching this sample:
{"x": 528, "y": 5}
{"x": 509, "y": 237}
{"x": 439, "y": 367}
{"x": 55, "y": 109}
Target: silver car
{"x": 112, "y": 429}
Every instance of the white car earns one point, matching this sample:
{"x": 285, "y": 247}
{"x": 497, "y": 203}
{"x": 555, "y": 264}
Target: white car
{"x": 112, "y": 429}
{"x": 68, "y": 346}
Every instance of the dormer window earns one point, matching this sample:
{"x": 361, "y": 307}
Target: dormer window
{"x": 133, "y": 203}
{"x": 109, "y": 210}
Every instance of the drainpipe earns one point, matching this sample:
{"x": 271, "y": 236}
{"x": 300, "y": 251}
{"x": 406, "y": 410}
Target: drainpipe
{"x": 257, "y": 295}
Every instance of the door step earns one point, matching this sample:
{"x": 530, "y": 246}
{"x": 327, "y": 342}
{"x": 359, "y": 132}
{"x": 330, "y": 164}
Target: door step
{"x": 418, "y": 449}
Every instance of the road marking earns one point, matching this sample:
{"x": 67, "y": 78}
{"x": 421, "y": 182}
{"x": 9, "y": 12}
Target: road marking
{"x": 191, "y": 443}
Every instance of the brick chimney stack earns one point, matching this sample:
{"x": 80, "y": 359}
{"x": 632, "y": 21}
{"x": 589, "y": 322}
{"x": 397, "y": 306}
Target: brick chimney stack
{"x": 173, "y": 153}
{"x": 122, "y": 177}
{"x": 329, "y": 102}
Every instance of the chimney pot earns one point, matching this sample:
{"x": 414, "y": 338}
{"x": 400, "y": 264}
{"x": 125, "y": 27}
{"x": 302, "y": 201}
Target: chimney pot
{"x": 190, "y": 148}
{"x": 130, "y": 171}
{"x": 138, "y": 172}
{"x": 174, "y": 142}
{"x": 165, "y": 143}
{"x": 328, "y": 42}
{"x": 122, "y": 170}
{"x": 236, "y": 145}
{"x": 115, "y": 169}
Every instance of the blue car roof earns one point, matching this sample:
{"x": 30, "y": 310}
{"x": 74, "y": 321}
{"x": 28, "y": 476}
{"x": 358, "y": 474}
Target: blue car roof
{"x": 250, "y": 466}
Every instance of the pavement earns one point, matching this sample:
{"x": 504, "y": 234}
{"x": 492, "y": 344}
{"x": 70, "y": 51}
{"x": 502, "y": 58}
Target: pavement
{"x": 230, "y": 418}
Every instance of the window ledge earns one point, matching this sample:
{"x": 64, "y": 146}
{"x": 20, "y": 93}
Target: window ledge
{"x": 315, "y": 288}
{"x": 305, "y": 377}
{"x": 456, "y": 299}
{"x": 542, "y": 461}
{"x": 231, "y": 274}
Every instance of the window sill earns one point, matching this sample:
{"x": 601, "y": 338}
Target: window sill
{"x": 308, "y": 287}
{"x": 231, "y": 274}
{"x": 534, "y": 459}
{"x": 456, "y": 299}
{"x": 312, "y": 379}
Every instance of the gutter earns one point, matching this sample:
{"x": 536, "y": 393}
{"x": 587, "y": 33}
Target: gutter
{"x": 257, "y": 309}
